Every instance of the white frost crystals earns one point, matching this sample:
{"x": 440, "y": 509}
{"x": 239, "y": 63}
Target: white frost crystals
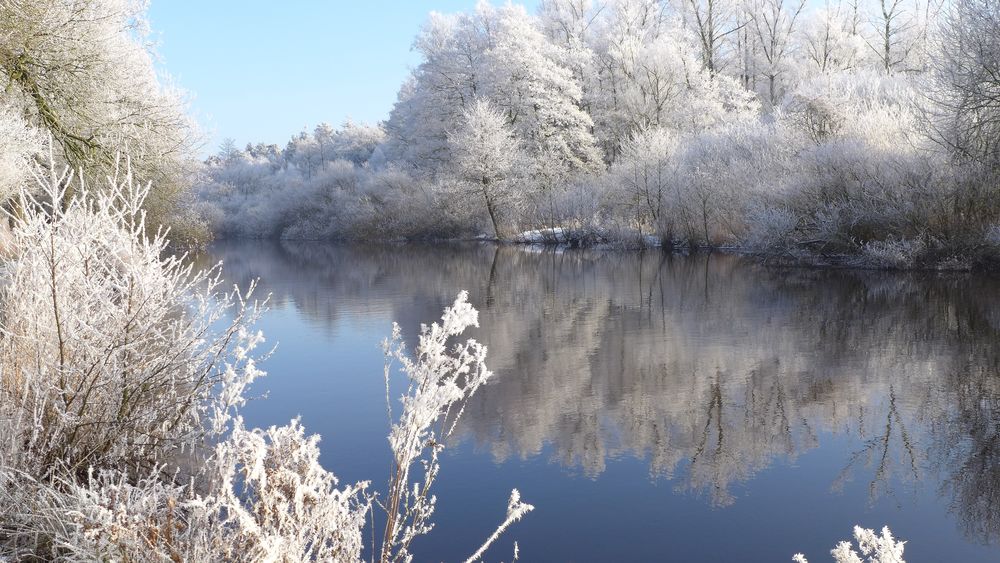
{"x": 440, "y": 384}
{"x": 874, "y": 548}
{"x": 288, "y": 508}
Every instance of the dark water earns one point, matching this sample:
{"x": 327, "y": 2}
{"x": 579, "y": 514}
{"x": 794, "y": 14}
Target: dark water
{"x": 653, "y": 407}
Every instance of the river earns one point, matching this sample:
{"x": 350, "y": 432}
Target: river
{"x": 655, "y": 406}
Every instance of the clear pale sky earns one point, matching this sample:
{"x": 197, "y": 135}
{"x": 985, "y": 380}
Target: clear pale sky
{"x": 260, "y": 71}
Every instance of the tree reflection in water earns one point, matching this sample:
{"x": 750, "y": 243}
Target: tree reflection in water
{"x": 712, "y": 368}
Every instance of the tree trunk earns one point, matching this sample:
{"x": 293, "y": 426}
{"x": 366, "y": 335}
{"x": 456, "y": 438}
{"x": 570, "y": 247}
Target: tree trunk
{"x": 491, "y": 208}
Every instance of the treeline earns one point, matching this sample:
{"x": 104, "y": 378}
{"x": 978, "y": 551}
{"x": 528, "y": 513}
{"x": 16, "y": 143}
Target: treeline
{"x": 859, "y": 128}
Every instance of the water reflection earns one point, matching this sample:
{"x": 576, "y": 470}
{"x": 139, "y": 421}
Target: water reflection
{"x": 712, "y": 368}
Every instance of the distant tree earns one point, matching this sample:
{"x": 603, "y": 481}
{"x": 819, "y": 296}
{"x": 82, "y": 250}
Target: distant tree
{"x": 899, "y": 35}
{"x": 357, "y": 142}
{"x": 228, "y": 151}
{"x": 498, "y": 54}
{"x": 715, "y": 23}
{"x": 323, "y": 134}
{"x": 487, "y": 157}
{"x": 967, "y": 80}
{"x": 774, "y": 24}
{"x": 828, "y": 42}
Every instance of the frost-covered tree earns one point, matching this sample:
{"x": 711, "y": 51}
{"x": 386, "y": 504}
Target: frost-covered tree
{"x": 966, "y": 80}
{"x": 898, "y": 36}
{"x": 487, "y": 159}
{"x": 646, "y": 67}
{"x": 774, "y": 27}
{"x": 646, "y": 170}
{"x": 500, "y": 55}
{"x": 715, "y": 22}
{"x": 323, "y": 134}
{"x": 829, "y": 41}
{"x": 433, "y": 97}
{"x": 648, "y": 73}
{"x": 81, "y": 72}
{"x": 570, "y": 24}
{"x": 540, "y": 99}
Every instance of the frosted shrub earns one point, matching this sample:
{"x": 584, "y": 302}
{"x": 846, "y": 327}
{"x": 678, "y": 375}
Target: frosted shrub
{"x": 268, "y": 499}
{"x": 892, "y": 253}
{"x": 18, "y": 142}
{"x": 117, "y": 360}
{"x": 106, "y": 516}
{"x": 107, "y": 348}
{"x": 770, "y": 229}
{"x": 873, "y": 547}
{"x": 280, "y": 504}
{"x": 440, "y": 385}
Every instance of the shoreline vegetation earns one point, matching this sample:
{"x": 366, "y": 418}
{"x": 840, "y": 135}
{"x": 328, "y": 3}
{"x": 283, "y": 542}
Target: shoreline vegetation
{"x": 862, "y": 134}
{"x": 531, "y": 240}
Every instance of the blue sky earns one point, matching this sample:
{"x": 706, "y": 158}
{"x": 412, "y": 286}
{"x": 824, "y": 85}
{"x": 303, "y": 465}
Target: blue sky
{"x": 260, "y": 71}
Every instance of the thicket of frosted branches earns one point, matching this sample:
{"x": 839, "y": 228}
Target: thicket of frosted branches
{"x": 863, "y": 129}
{"x": 875, "y": 548}
{"x": 122, "y": 370}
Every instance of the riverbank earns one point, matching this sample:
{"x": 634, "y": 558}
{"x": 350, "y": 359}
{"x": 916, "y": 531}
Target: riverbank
{"x": 882, "y": 255}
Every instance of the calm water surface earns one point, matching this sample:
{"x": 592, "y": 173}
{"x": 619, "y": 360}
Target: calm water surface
{"x": 656, "y": 407}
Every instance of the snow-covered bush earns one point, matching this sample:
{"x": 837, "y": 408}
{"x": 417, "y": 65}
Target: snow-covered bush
{"x": 875, "y": 548}
{"x": 277, "y": 503}
{"x": 770, "y": 229}
{"x": 311, "y": 193}
{"x": 111, "y": 353}
{"x": 440, "y": 384}
{"x": 264, "y": 497}
{"x": 18, "y": 142}
{"x": 108, "y": 354}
